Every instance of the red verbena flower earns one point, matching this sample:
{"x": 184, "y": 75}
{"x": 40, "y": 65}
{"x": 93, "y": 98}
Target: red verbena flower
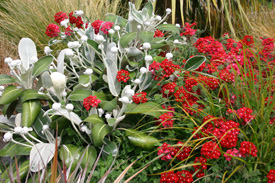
{"x": 140, "y": 97}
{"x": 96, "y": 25}
{"x": 245, "y": 114}
{"x": 166, "y": 120}
{"x": 247, "y": 40}
{"x": 123, "y": 75}
{"x": 106, "y": 27}
{"x": 248, "y": 148}
{"x": 90, "y": 101}
{"x": 271, "y": 176}
{"x": 181, "y": 152}
{"x": 169, "y": 177}
{"x": 59, "y": 17}
{"x": 52, "y": 30}
{"x": 168, "y": 89}
{"x": 158, "y": 33}
{"x": 233, "y": 152}
{"x": 201, "y": 167}
{"x": 211, "y": 150}
{"x": 164, "y": 149}
{"x": 68, "y": 31}
{"x": 184, "y": 176}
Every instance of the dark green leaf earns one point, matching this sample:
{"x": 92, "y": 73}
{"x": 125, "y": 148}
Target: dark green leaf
{"x": 23, "y": 170}
{"x": 194, "y": 62}
{"x": 41, "y": 65}
{"x": 126, "y": 38}
{"x": 12, "y": 149}
{"x": 89, "y": 158}
{"x": 11, "y": 108}
{"x": 149, "y": 108}
{"x": 39, "y": 122}
{"x": 158, "y": 45}
{"x": 147, "y": 36}
{"x": 94, "y": 119}
{"x": 111, "y": 121}
{"x": 30, "y": 110}
{"x": 93, "y": 44}
{"x": 141, "y": 140}
{"x": 99, "y": 131}
{"x": 100, "y": 95}
{"x": 79, "y": 95}
{"x": 30, "y": 94}
{"x": 70, "y": 154}
{"x": 169, "y": 27}
{"x": 159, "y": 59}
{"x": 5, "y": 79}
{"x": 110, "y": 147}
{"x": 108, "y": 105}
{"x": 10, "y": 94}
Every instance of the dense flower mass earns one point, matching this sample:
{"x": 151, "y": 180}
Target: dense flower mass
{"x": 211, "y": 150}
{"x": 105, "y": 27}
{"x": 271, "y": 176}
{"x": 90, "y": 101}
{"x": 248, "y": 148}
{"x": 140, "y": 97}
{"x": 158, "y": 33}
{"x": 123, "y": 75}
{"x": 59, "y": 17}
{"x": 96, "y": 25}
{"x": 52, "y": 30}
{"x": 183, "y": 176}
{"x": 245, "y": 114}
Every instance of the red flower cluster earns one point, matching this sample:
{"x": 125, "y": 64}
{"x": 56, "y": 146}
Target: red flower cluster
{"x": 211, "y": 150}
{"x": 272, "y": 121}
{"x": 140, "y": 97}
{"x": 164, "y": 69}
{"x": 52, "y": 30}
{"x": 180, "y": 152}
{"x": 165, "y": 149}
{"x": 187, "y": 30}
{"x": 166, "y": 120}
{"x": 158, "y": 33}
{"x": 271, "y": 176}
{"x": 232, "y": 152}
{"x": 248, "y": 148}
{"x": 76, "y": 20}
{"x": 168, "y": 89}
{"x": 245, "y": 114}
{"x": 59, "y": 17}
{"x": 123, "y": 75}
{"x": 105, "y": 27}
{"x": 248, "y": 40}
{"x": 90, "y": 101}
{"x": 96, "y": 25}
{"x": 183, "y": 176}
{"x": 201, "y": 167}
{"x": 68, "y": 31}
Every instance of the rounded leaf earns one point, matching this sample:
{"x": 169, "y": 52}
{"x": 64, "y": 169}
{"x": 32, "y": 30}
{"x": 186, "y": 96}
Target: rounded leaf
{"x": 40, "y": 155}
{"x": 10, "y": 94}
{"x": 30, "y": 110}
{"x": 99, "y": 131}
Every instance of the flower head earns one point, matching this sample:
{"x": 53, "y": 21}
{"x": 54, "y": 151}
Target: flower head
{"x": 52, "y": 30}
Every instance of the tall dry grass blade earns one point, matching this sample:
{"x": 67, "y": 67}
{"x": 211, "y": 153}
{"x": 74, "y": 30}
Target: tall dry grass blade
{"x": 17, "y": 170}
{"x": 54, "y": 164}
{"x": 133, "y": 176}
{"x": 174, "y": 9}
{"x": 120, "y": 177}
{"x": 181, "y": 11}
